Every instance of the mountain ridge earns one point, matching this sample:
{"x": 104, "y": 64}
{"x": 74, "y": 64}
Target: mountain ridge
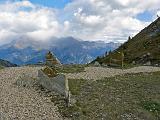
{"x": 67, "y": 50}
{"x": 5, "y": 63}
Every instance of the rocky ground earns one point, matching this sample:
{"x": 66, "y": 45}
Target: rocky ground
{"x": 21, "y": 103}
{"x": 96, "y": 73}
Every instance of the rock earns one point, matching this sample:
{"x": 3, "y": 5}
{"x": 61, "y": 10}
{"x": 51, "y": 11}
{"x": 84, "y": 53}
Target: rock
{"x": 50, "y": 72}
{"x": 51, "y": 60}
{"x": 104, "y": 65}
{"x": 156, "y": 65}
{"x": 58, "y": 83}
{"x": 148, "y": 63}
{"x": 52, "y": 63}
{"x": 133, "y": 62}
{"x": 97, "y": 64}
{"x": 148, "y": 54}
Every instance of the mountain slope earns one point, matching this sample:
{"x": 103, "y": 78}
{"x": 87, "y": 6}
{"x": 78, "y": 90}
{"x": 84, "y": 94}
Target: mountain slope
{"x": 4, "y": 63}
{"x": 68, "y": 50}
{"x": 142, "y": 48}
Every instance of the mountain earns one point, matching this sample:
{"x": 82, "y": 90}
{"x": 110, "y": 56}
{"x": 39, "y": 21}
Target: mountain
{"x": 143, "y": 48}
{"x": 68, "y": 50}
{"x": 5, "y": 63}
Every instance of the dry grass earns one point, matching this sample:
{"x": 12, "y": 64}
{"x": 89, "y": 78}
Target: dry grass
{"x": 71, "y": 68}
{"x": 122, "y": 97}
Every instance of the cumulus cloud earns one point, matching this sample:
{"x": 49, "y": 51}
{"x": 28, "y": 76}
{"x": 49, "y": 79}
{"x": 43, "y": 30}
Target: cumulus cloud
{"x": 90, "y": 20}
{"x": 24, "y": 18}
{"x": 108, "y": 20}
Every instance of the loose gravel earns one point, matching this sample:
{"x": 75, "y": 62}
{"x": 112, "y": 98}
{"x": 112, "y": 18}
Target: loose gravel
{"x": 96, "y": 73}
{"x": 21, "y": 103}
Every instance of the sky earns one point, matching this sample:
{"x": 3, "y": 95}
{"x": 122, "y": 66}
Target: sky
{"x": 93, "y": 20}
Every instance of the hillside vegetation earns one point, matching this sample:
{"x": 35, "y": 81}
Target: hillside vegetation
{"x": 133, "y": 96}
{"x": 142, "y": 48}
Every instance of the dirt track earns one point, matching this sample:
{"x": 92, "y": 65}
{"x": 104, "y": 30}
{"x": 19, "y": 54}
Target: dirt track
{"x": 101, "y": 72}
{"x": 20, "y": 103}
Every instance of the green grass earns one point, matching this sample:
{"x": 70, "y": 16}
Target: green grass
{"x": 71, "y": 68}
{"x": 118, "y": 98}
{"x": 151, "y": 106}
{"x": 1, "y": 67}
{"x": 75, "y": 86}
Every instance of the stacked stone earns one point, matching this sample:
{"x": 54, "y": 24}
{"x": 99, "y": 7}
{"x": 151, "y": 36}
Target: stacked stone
{"x": 51, "y": 63}
{"x": 51, "y": 60}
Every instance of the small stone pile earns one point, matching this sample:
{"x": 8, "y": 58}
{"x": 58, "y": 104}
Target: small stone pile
{"x": 51, "y": 64}
{"x": 51, "y": 60}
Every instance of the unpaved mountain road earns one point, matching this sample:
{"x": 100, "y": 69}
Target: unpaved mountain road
{"x": 96, "y": 73}
{"x": 20, "y": 103}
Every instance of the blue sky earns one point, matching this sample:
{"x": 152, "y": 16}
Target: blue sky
{"x": 48, "y": 3}
{"x": 106, "y": 20}
{"x": 145, "y": 16}
{"x": 52, "y": 3}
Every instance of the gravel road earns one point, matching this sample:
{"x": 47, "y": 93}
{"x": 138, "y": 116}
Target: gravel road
{"x": 20, "y": 103}
{"x": 96, "y": 73}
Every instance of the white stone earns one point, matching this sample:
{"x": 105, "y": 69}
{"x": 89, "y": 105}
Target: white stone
{"x": 97, "y": 64}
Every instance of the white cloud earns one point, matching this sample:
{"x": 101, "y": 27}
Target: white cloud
{"x": 89, "y": 20}
{"x": 24, "y": 18}
{"x": 158, "y": 13}
{"x": 108, "y": 20}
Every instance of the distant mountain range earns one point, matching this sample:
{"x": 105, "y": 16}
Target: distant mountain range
{"x": 4, "y": 63}
{"x": 143, "y": 48}
{"x": 68, "y": 50}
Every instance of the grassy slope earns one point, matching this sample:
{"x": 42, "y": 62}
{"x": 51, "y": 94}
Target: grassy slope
{"x": 121, "y": 97}
{"x": 147, "y": 41}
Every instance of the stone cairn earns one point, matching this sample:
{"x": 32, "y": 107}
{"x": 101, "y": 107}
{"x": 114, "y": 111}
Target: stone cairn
{"x": 52, "y": 63}
{"x": 50, "y": 79}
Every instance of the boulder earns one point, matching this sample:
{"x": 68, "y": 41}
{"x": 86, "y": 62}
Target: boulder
{"x": 104, "y": 65}
{"x": 148, "y": 63}
{"x": 58, "y": 83}
{"x": 97, "y": 64}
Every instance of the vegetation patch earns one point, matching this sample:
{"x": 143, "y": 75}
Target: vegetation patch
{"x": 71, "y": 69}
{"x": 75, "y": 85}
{"x": 1, "y": 67}
{"x": 151, "y": 106}
{"x": 133, "y": 96}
